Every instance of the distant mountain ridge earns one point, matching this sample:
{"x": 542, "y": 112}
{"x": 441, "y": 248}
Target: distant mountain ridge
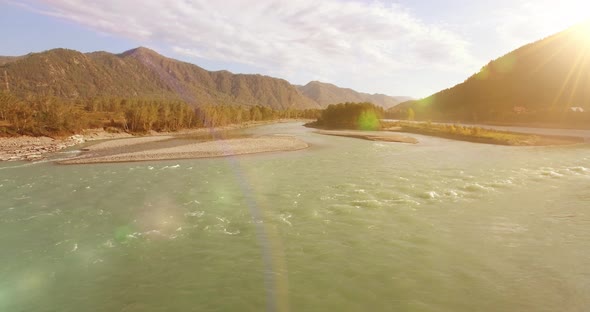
{"x": 326, "y": 94}
{"x": 543, "y": 80}
{"x": 142, "y": 73}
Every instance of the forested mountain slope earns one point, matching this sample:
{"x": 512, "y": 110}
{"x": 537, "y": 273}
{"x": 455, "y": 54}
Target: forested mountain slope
{"x": 542, "y": 81}
{"x": 141, "y": 73}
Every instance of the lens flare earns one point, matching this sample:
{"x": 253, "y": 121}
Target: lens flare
{"x": 368, "y": 120}
{"x": 506, "y": 63}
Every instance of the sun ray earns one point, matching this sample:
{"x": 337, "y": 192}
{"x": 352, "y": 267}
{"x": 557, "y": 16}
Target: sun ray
{"x": 546, "y": 61}
{"x": 566, "y": 81}
{"x": 584, "y": 56}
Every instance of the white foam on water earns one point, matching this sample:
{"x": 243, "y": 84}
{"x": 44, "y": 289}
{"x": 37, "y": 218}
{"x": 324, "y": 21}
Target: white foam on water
{"x": 170, "y": 167}
{"x": 429, "y": 195}
{"x": 197, "y": 214}
{"x": 236, "y": 232}
{"x": 406, "y": 201}
{"x": 61, "y": 242}
{"x": 367, "y": 203}
{"x": 476, "y": 187}
{"x": 551, "y": 173}
{"x": 579, "y": 170}
{"x": 33, "y": 163}
{"x": 285, "y": 218}
{"x": 134, "y": 235}
{"x": 453, "y": 194}
{"x": 505, "y": 182}
{"x": 146, "y": 233}
{"x": 36, "y": 216}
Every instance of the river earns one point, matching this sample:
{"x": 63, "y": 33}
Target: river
{"x": 345, "y": 225}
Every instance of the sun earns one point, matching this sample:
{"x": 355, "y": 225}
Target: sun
{"x": 582, "y": 33}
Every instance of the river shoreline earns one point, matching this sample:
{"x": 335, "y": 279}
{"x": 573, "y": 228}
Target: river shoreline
{"x": 505, "y": 138}
{"x": 206, "y": 149}
{"x": 483, "y": 135}
{"x": 451, "y": 132}
{"x": 26, "y": 148}
{"x": 370, "y": 136}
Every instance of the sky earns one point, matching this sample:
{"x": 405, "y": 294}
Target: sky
{"x": 395, "y": 47}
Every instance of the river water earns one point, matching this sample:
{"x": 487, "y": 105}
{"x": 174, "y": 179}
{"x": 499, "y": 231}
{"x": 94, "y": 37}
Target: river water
{"x": 346, "y": 225}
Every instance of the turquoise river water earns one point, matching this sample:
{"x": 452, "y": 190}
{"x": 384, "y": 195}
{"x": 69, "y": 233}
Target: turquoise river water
{"x": 346, "y": 225}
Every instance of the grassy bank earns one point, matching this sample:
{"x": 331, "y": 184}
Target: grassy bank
{"x": 479, "y": 135}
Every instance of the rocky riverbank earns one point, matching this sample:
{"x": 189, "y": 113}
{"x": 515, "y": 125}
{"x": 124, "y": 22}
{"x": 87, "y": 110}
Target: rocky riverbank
{"x": 25, "y": 148}
{"x": 30, "y": 148}
{"x": 37, "y": 148}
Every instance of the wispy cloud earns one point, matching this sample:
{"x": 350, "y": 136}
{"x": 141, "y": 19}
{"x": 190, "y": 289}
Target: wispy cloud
{"x": 526, "y": 21}
{"x": 297, "y": 40}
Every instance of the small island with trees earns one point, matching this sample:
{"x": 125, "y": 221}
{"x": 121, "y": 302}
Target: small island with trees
{"x": 356, "y": 120}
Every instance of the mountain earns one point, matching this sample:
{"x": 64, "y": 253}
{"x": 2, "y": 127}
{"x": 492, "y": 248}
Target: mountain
{"x": 539, "y": 81}
{"x": 8, "y": 59}
{"x": 326, "y": 94}
{"x": 142, "y": 73}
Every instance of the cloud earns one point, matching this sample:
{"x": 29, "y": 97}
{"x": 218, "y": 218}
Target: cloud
{"x": 525, "y": 21}
{"x": 297, "y": 40}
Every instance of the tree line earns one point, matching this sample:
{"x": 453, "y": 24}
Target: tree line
{"x": 53, "y": 117}
{"x": 565, "y": 117}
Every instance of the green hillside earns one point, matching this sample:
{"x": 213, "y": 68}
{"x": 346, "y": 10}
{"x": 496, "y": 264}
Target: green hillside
{"x": 543, "y": 82}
